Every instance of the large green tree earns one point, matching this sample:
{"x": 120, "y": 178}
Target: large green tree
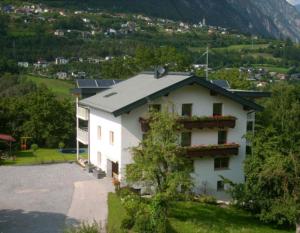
{"x": 159, "y": 163}
{"x": 272, "y": 187}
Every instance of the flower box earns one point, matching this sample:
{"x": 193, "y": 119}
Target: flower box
{"x": 210, "y": 122}
{"x": 212, "y": 150}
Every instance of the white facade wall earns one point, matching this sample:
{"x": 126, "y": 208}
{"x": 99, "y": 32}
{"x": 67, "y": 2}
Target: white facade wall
{"x": 128, "y": 134}
{"x": 109, "y": 152}
{"x": 204, "y": 176}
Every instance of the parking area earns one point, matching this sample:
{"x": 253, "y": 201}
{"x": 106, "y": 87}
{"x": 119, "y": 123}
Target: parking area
{"x": 35, "y": 199}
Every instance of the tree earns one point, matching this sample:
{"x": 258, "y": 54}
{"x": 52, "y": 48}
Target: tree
{"x": 160, "y": 163}
{"x": 272, "y": 170}
{"x": 235, "y": 78}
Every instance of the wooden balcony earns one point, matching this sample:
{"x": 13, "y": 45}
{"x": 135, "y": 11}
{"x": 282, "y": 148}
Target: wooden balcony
{"x": 212, "y": 150}
{"x": 210, "y": 122}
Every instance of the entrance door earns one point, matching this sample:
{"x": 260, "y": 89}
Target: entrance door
{"x": 115, "y": 169}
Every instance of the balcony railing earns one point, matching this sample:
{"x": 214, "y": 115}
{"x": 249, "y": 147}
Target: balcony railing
{"x": 212, "y": 150}
{"x": 209, "y": 122}
{"x": 82, "y": 136}
{"x": 82, "y": 113}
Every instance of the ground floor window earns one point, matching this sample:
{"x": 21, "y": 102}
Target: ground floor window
{"x": 221, "y": 163}
{"x": 220, "y": 186}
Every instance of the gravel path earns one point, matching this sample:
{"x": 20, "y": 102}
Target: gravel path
{"x": 37, "y": 199}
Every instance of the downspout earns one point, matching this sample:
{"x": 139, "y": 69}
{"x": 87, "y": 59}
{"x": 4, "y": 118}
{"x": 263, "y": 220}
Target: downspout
{"x": 89, "y": 130}
{"x": 77, "y": 126}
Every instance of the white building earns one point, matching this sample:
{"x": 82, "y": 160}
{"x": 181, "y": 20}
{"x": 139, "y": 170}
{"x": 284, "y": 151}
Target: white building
{"x": 61, "y": 61}
{"x": 62, "y": 75}
{"x": 23, "y": 64}
{"x": 114, "y": 120}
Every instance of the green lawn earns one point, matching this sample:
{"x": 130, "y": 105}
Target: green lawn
{"x": 41, "y": 156}
{"x": 60, "y": 87}
{"x": 241, "y": 47}
{"x": 193, "y": 217}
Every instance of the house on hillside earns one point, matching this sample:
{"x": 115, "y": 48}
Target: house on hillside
{"x": 61, "y": 61}
{"x": 214, "y": 136}
{"x": 62, "y": 75}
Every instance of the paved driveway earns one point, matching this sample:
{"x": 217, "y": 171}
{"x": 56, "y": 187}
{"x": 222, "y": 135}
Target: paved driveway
{"x": 42, "y": 199}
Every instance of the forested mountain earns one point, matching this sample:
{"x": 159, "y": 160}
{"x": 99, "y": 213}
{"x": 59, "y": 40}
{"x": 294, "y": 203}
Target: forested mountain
{"x": 276, "y": 18}
{"x": 298, "y": 7}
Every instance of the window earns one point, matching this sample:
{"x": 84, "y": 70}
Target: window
{"x": 220, "y": 186}
{"x": 250, "y": 125}
{"x": 111, "y": 137}
{"x": 99, "y": 132}
{"x": 186, "y": 139}
{"x": 222, "y": 137}
{"x": 186, "y": 110}
{"x": 221, "y": 163}
{"x": 154, "y": 107}
{"x": 217, "y": 109}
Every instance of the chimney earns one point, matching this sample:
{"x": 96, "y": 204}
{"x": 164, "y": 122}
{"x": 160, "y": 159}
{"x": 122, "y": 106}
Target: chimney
{"x": 160, "y": 71}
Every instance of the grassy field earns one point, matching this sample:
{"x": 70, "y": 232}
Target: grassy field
{"x": 236, "y": 48}
{"x": 192, "y": 217}
{"x": 59, "y": 87}
{"x": 41, "y": 156}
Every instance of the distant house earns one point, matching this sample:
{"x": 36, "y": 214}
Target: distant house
{"x": 41, "y": 64}
{"x": 78, "y": 75}
{"x": 8, "y": 9}
{"x": 86, "y": 20}
{"x": 199, "y": 66}
{"x": 295, "y": 77}
{"x": 61, "y": 61}
{"x": 23, "y": 64}
{"x": 62, "y": 75}
{"x": 94, "y": 60}
{"x": 59, "y": 33}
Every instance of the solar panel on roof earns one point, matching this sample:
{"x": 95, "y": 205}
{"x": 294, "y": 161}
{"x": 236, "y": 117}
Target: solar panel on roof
{"x": 221, "y": 83}
{"x": 105, "y": 83}
{"x": 96, "y": 83}
{"x": 86, "y": 83}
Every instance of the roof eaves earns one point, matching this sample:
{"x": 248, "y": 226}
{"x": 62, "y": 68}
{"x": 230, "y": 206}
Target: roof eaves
{"x": 228, "y": 94}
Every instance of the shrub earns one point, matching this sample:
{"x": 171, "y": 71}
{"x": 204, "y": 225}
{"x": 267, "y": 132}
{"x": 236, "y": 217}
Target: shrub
{"x": 61, "y": 145}
{"x": 127, "y": 223}
{"x": 85, "y": 228}
{"x": 207, "y": 199}
{"x": 34, "y": 147}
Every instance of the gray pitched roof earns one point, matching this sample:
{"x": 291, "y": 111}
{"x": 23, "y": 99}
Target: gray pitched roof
{"x": 134, "y": 92}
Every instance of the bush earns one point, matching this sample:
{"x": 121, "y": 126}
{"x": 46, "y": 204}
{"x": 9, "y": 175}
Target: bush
{"x": 85, "y": 228}
{"x": 127, "y": 223}
{"x": 207, "y": 199}
{"x": 124, "y": 191}
{"x": 61, "y": 145}
{"x": 34, "y": 147}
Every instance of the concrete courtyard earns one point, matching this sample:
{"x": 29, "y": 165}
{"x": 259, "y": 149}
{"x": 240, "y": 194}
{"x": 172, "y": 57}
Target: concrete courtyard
{"x": 47, "y": 198}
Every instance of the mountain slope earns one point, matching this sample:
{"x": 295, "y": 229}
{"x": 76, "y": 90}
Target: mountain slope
{"x": 276, "y": 18}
